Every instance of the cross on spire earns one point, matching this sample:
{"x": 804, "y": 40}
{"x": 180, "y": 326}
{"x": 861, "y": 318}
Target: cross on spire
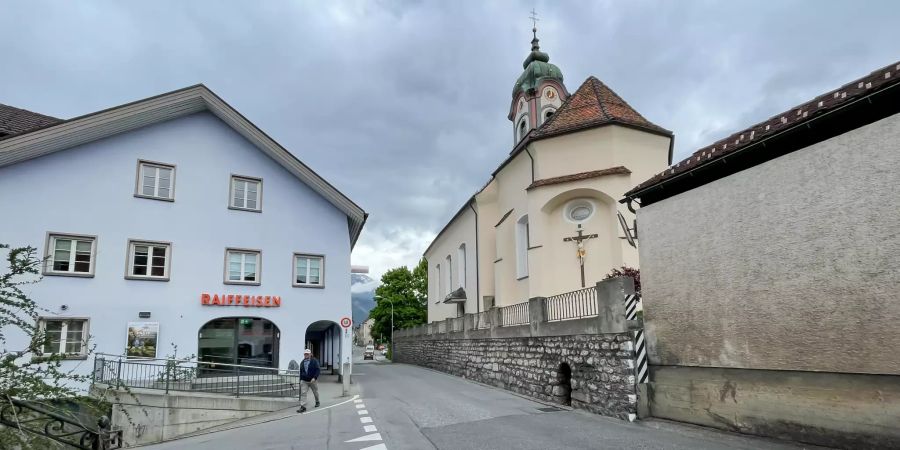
{"x": 534, "y": 18}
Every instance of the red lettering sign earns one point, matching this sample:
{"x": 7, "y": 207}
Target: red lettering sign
{"x": 258, "y": 301}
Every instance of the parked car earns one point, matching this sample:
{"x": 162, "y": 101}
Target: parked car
{"x": 370, "y": 352}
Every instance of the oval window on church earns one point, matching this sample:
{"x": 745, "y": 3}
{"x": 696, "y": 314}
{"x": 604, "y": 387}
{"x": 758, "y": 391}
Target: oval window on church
{"x": 579, "y": 210}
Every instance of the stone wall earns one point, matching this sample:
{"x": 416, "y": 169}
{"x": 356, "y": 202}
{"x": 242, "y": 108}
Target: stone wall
{"x": 602, "y": 366}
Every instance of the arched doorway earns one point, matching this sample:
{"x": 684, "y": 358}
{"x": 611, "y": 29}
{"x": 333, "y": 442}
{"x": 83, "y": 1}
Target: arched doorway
{"x": 324, "y": 339}
{"x": 245, "y": 341}
{"x": 564, "y": 391}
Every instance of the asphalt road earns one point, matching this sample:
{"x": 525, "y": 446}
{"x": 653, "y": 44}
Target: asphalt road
{"x": 408, "y": 407}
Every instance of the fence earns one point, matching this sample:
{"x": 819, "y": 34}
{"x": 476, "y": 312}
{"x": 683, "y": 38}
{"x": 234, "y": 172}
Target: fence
{"x": 572, "y": 305}
{"x": 514, "y": 315}
{"x": 196, "y": 376}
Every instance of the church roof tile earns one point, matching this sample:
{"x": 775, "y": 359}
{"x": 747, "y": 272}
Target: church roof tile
{"x": 594, "y": 104}
{"x": 619, "y": 170}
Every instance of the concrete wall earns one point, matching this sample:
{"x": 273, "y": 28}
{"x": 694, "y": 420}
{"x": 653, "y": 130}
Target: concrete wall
{"x": 90, "y": 190}
{"x": 787, "y": 273}
{"x": 147, "y": 416}
{"x": 789, "y": 265}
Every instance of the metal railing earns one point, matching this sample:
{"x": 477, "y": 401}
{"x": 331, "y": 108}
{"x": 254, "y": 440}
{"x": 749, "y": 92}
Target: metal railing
{"x": 572, "y": 305}
{"x": 195, "y": 376}
{"x": 483, "y": 320}
{"x": 515, "y": 315}
{"x": 35, "y": 418}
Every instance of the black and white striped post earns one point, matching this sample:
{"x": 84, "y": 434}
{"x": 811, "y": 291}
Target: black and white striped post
{"x": 640, "y": 348}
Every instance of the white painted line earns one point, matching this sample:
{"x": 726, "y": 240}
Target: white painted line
{"x": 360, "y": 406}
{"x": 376, "y": 447}
{"x": 370, "y": 428}
{"x": 362, "y": 412}
{"x": 365, "y": 419}
{"x": 368, "y": 437}
{"x": 357, "y": 401}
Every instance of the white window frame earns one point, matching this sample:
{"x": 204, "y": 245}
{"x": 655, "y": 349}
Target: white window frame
{"x": 50, "y": 254}
{"x": 85, "y": 336}
{"x": 461, "y": 265}
{"x": 449, "y": 274}
{"x": 522, "y": 244}
{"x": 129, "y": 262}
{"x": 232, "y": 188}
{"x": 244, "y": 251}
{"x": 309, "y": 257}
{"x": 139, "y": 181}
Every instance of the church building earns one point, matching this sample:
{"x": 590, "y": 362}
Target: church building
{"x": 547, "y": 221}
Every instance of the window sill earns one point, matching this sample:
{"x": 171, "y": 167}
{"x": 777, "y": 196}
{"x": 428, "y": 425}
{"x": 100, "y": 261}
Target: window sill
{"x": 47, "y": 273}
{"x": 243, "y": 283}
{"x": 311, "y": 286}
{"x": 235, "y": 208}
{"x": 140, "y": 278}
{"x": 150, "y": 197}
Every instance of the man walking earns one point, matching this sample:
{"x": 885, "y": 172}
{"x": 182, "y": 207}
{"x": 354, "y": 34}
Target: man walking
{"x": 309, "y": 374}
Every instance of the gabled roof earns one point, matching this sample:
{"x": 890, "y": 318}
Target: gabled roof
{"x": 592, "y": 105}
{"x": 15, "y": 120}
{"x": 61, "y": 135}
{"x": 789, "y": 120}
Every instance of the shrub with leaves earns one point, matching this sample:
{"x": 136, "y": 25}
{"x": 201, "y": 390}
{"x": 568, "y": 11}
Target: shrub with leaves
{"x": 626, "y": 271}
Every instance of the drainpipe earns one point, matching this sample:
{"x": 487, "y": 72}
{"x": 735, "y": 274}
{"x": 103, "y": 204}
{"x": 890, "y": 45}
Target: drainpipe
{"x": 532, "y": 162}
{"x": 477, "y": 262}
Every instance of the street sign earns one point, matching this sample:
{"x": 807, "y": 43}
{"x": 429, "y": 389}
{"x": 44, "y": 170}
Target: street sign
{"x": 346, "y": 322}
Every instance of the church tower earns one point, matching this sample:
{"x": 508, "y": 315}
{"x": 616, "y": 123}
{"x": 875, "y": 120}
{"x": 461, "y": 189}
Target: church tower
{"x": 538, "y": 92}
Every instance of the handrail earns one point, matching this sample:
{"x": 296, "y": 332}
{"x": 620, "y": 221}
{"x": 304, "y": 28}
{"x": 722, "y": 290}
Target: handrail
{"x": 29, "y": 417}
{"x": 194, "y": 361}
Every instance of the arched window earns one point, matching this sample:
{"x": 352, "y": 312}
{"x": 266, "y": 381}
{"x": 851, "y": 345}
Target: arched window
{"x": 548, "y": 114}
{"x": 437, "y": 283}
{"x": 523, "y": 127}
{"x": 449, "y": 283}
{"x": 522, "y": 244}
{"x": 461, "y": 265}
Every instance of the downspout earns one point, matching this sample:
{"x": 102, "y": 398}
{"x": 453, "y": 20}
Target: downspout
{"x": 477, "y": 261}
{"x": 532, "y": 162}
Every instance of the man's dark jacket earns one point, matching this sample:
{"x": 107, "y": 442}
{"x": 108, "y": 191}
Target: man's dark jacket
{"x": 311, "y": 372}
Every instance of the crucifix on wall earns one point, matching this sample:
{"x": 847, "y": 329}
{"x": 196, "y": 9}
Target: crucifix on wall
{"x": 580, "y": 253}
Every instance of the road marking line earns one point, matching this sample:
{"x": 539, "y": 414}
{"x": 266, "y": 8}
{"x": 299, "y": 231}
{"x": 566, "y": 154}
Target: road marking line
{"x": 376, "y": 447}
{"x": 357, "y": 401}
{"x": 360, "y": 406}
{"x": 365, "y": 419}
{"x": 370, "y": 428}
{"x": 368, "y": 437}
{"x": 362, "y": 412}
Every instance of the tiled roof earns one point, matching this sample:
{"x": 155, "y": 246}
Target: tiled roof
{"x": 879, "y": 79}
{"x": 620, "y": 170}
{"x": 593, "y": 104}
{"x": 15, "y": 120}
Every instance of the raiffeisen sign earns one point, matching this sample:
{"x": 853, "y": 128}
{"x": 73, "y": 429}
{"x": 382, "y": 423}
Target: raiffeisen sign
{"x": 259, "y": 301}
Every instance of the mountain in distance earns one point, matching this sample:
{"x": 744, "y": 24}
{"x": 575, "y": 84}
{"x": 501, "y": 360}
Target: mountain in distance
{"x": 362, "y": 296}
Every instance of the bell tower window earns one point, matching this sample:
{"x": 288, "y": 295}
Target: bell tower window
{"x": 523, "y": 128}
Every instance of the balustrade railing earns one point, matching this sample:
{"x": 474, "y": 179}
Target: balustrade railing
{"x": 515, "y": 315}
{"x": 196, "y": 376}
{"x": 38, "y": 419}
{"x": 572, "y": 305}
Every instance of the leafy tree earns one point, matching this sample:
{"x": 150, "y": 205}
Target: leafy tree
{"x": 408, "y": 291}
{"x": 25, "y": 373}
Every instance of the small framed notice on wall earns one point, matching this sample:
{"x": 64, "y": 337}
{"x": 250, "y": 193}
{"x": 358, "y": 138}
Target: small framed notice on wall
{"x": 142, "y": 339}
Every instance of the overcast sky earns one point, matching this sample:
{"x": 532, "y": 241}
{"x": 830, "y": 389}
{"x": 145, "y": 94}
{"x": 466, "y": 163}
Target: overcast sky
{"x": 402, "y": 105}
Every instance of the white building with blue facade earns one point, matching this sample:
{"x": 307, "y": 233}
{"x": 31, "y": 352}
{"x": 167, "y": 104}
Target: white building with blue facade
{"x": 174, "y": 221}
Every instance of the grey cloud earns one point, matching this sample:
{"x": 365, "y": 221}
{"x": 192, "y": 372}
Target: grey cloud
{"x": 402, "y": 105}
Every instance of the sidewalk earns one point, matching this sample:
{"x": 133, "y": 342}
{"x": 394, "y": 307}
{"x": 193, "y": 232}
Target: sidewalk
{"x": 330, "y": 391}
